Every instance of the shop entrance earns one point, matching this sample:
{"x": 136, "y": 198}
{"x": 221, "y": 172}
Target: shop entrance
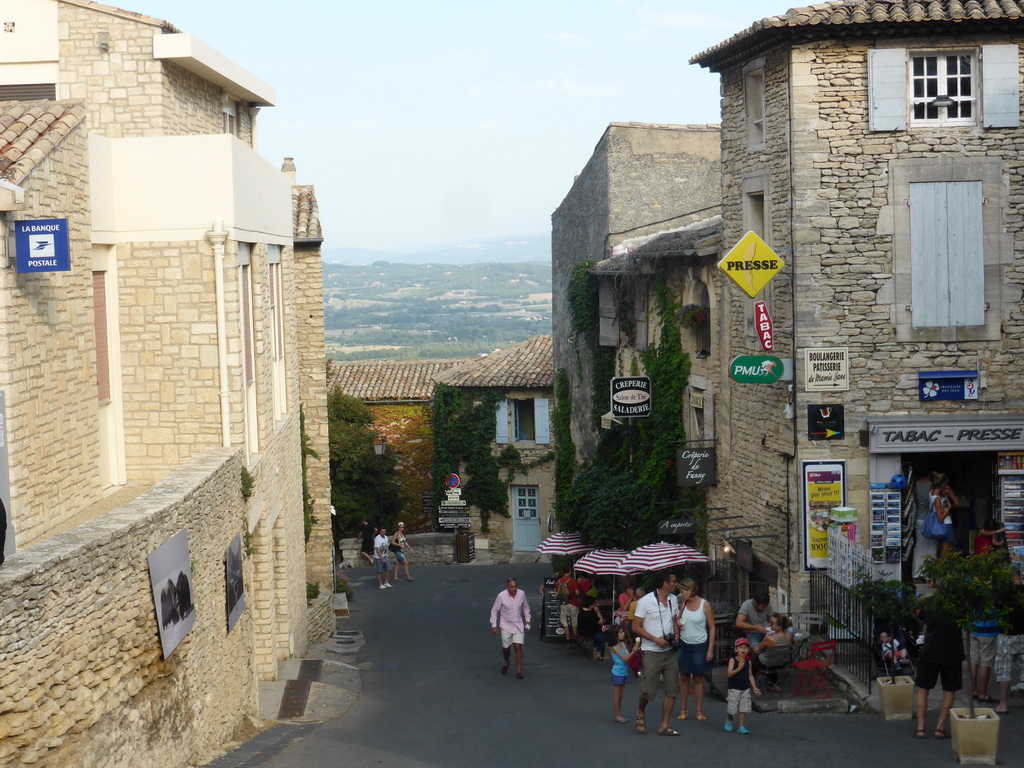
{"x": 972, "y": 476}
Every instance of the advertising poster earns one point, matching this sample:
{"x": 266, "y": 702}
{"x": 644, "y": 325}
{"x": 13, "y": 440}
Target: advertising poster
{"x": 234, "y": 586}
{"x": 824, "y": 487}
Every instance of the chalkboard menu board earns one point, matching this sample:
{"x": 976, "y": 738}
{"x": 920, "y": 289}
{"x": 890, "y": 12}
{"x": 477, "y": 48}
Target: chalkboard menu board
{"x": 549, "y": 626}
{"x": 695, "y": 466}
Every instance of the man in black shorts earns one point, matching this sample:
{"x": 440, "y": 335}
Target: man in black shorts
{"x": 368, "y": 532}
{"x": 942, "y": 657}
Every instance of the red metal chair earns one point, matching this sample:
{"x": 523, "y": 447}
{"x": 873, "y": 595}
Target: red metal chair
{"x": 814, "y": 668}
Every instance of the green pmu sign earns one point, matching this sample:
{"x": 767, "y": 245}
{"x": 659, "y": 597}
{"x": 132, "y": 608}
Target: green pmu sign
{"x": 755, "y": 369}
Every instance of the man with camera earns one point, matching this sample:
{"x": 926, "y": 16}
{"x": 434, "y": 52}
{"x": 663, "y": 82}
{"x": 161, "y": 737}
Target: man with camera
{"x": 654, "y": 623}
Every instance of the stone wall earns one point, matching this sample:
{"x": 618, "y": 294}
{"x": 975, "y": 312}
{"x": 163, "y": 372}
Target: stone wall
{"x": 312, "y": 372}
{"x": 48, "y": 356}
{"x": 428, "y": 549}
{"x": 82, "y": 679}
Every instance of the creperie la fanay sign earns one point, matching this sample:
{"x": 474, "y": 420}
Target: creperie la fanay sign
{"x": 763, "y": 324}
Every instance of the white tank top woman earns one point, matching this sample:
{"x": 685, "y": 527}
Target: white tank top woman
{"x": 693, "y": 624}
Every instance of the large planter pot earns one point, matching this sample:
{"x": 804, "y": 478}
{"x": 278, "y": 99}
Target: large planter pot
{"x": 975, "y": 741}
{"x": 897, "y": 698}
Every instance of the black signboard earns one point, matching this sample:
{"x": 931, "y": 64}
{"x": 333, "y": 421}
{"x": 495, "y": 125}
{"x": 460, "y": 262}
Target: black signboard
{"x": 550, "y": 610}
{"x": 695, "y": 466}
{"x": 744, "y": 555}
{"x": 631, "y": 396}
{"x": 825, "y": 422}
{"x": 678, "y": 527}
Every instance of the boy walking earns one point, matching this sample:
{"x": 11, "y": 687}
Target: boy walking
{"x": 741, "y": 682}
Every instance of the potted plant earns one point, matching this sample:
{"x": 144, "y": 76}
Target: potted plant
{"x": 966, "y": 589}
{"x": 692, "y": 314}
{"x": 889, "y": 602}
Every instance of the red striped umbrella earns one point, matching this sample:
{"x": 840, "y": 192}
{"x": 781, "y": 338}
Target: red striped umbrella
{"x": 653, "y": 557}
{"x": 603, "y": 562}
{"x": 564, "y": 544}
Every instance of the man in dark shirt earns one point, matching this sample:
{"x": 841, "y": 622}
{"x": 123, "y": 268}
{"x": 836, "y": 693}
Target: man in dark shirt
{"x": 942, "y": 656}
{"x": 1010, "y": 652}
{"x": 367, "y": 531}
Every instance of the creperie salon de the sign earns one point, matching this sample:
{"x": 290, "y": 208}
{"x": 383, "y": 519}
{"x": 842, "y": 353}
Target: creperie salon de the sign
{"x": 631, "y": 396}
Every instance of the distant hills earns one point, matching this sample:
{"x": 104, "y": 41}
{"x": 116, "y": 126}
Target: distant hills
{"x": 515, "y": 249}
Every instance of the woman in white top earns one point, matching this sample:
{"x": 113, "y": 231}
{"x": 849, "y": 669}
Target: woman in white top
{"x": 696, "y": 630}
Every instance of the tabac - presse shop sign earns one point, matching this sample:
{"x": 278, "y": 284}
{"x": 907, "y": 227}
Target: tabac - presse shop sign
{"x": 42, "y": 245}
{"x": 631, "y": 396}
{"x": 751, "y": 264}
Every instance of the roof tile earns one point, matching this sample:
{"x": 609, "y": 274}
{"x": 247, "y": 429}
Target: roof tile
{"x": 29, "y": 130}
{"x": 528, "y": 365}
{"x": 852, "y": 13}
{"x": 389, "y": 380}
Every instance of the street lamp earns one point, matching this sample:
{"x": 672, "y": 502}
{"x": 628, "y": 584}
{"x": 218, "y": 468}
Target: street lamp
{"x": 379, "y": 446}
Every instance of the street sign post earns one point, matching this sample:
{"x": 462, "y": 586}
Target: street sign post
{"x": 751, "y": 264}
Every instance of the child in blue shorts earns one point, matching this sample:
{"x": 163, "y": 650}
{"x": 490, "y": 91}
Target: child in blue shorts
{"x": 620, "y": 652}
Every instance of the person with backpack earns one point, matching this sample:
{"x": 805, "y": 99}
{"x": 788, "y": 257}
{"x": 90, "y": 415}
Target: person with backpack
{"x": 567, "y": 592}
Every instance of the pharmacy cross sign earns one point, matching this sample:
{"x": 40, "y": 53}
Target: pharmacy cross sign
{"x": 751, "y": 264}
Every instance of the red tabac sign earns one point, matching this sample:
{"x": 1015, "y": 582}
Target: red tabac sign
{"x": 763, "y": 324}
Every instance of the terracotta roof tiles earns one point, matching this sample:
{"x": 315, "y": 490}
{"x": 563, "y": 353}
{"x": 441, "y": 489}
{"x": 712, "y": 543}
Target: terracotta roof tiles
{"x": 389, "y": 380}
{"x": 845, "y": 15}
{"x": 305, "y": 213}
{"x": 528, "y": 365}
{"x": 30, "y": 130}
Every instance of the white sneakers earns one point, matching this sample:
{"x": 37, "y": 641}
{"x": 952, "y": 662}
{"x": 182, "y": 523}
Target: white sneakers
{"x": 386, "y": 585}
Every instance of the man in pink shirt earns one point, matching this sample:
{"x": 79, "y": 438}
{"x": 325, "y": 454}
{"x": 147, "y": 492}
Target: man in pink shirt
{"x": 511, "y": 614}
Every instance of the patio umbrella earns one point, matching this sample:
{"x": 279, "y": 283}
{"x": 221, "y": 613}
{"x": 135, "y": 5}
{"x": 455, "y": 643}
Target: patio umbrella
{"x": 603, "y": 562}
{"x": 653, "y": 557}
{"x": 564, "y": 544}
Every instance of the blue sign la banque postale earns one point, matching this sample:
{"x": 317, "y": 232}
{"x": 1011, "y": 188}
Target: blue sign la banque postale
{"x": 41, "y": 245}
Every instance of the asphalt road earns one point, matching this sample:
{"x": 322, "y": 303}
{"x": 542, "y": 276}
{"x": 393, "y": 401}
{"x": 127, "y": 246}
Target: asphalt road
{"x": 432, "y": 696}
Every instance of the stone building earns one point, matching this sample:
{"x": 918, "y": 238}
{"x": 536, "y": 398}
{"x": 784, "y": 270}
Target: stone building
{"x": 400, "y": 394}
{"x": 151, "y": 369}
{"x": 640, "y": 180}
{"x": 523, "y": 378}
{"x": 876, "y": 149}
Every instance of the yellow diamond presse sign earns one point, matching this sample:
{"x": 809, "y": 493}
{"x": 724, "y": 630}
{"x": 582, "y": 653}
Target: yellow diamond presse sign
{"x": 751, "y": 264}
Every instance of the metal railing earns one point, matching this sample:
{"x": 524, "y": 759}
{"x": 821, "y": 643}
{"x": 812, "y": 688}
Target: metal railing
{"x": 846, "y": 622}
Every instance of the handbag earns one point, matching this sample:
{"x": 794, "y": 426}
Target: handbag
{"x": 635, "y": 661}
{"x": 932, "y": 527}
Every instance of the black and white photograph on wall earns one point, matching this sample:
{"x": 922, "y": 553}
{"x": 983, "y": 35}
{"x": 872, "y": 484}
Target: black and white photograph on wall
{"x": 170, "y": 573}
{"x": 233, "y": 581}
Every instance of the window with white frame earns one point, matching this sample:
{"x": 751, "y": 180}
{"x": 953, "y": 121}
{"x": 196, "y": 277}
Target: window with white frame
{"x": 942, "y": 88}
{"x": 955, "y": 87}
{"x": 754, "y": 103}
{"x": 277, "y": 330}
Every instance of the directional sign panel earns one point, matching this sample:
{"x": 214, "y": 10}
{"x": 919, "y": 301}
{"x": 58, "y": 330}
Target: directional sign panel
{"x": 751, "y": 264}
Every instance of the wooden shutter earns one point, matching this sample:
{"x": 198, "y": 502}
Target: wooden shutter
{"x": 99, "y": 320}
{"x": 887, "y": 89}
{"x": 542, "y": 422}
{"x": 1000, "y": 86}
{"x": 947, "y": 266}
{"x": 501, "y": 419}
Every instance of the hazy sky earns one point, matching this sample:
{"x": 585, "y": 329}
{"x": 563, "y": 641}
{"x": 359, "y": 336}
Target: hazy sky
{"x": 428, "y": 122}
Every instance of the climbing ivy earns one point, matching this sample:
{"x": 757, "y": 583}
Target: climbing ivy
{"x": 463, "y": 434}
{"x": 565, "y": 448}
{"x": 629, "y": 485}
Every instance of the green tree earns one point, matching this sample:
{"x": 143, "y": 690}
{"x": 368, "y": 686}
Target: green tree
{"x": 355, "y": 469}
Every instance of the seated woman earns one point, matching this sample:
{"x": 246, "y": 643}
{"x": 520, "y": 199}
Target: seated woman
{"x": 591, "y": 625}
{"x": 772, "y": 653}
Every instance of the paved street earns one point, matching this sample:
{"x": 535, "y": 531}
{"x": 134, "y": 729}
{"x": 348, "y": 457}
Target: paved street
{"x": 432, "y": 695}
